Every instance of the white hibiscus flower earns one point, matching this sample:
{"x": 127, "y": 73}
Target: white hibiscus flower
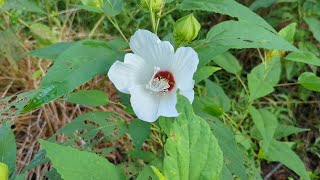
{"x": 153, "y": 74}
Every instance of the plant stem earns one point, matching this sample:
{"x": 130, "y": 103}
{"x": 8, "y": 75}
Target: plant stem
{"x": 97, "y": 25}
{"x": 116, "y": 25}
{"x": 228, "y": 117}
{"x": 244, "y": 86}
{"x": 168, "y": 12}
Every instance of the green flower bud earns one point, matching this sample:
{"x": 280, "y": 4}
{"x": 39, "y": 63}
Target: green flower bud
{"x": 93, "y": 3}
{"x": 186, "y": 29}
{"x": 156, "y": 5}
{"x": 4, "y": 172}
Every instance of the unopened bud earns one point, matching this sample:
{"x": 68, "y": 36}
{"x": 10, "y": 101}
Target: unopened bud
{"x": 186, "y": 29}
{"x": 93, "y": 3}
{"x": 4, "y": 171}
{"x": 156, "y": 5}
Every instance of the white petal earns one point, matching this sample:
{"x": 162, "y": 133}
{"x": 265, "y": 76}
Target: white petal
{"x": 132, "y": 71}
{"x": 188, "y": 94}
{"x": 144, "y": 103}
{"x": 148, "y": 46}
{"x": 167, "y": 106}
{"x": 185, "y": 63}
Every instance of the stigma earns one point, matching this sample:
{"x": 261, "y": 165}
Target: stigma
{"x": 162, "y": 81}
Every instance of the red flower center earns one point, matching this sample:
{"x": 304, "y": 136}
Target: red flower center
{"x": 168, "y": 76}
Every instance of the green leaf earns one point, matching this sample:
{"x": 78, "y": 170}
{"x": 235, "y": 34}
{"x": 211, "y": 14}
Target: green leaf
{"x": 232, "y": 156}
{"x": 139, "y": 132}
{"x": 74, "y": 67}
{"x": 204, "y": 73}
{"x": 8, "y": 148}
{"x": 310, "y": 81}
{"x": 204, "y": 106}
{"x": 113, "y": 7}
{"x": 191, "y": 150}
{"x": 207, "y": 52}
{"x": 314, "y": 25}
{"x": 228, "y": 62}
{"x": 23, "y": 5}
{"x": 44, "y": 34}
{"x": 147, "y": 173}
{"x": 21, "y": 177}
{"x": 266, "y": 123}
{"x": 242, "y": 34}
{"x": 228, "y": 7}
{"x": 282, "y": 153}
{"x": 75, "y": 164}
{"x": 215, "y": 91}
{"x": 88, "y": 8}
{"x": 261, "y": 3}
{"x": 304, "y": 57}
{"x": 263, "y": 78}
{"x": 51, "y": 52}
{"x": 288, "y": 32}
{"x": 88, "y": 97}
{"x": 285, "y": 130}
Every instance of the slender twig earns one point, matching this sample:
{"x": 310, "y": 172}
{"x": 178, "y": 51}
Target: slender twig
{"x": 96, "y": 25}
{"x": 231, "y": 120}
{"x": 116, "y": 25}
{"x": 287, "y": 84}
{"x": 272, "y": 172}
{"x": 243, "y": 85}
{"x": 168, "y": 12}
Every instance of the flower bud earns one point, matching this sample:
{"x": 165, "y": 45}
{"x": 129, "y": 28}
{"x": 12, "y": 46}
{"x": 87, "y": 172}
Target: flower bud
{"x": 93, "y": 3}
{"x": 3, "y": 170}
{"x": 186, "y": 29}
{"x": 156, "y": 5}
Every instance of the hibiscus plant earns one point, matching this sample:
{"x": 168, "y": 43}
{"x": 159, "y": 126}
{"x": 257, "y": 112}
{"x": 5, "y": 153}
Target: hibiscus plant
{"x": 185, "y": 126}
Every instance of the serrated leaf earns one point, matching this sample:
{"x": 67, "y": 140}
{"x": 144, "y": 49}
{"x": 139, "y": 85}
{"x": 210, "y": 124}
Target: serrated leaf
{"x": 310, "y": 81}
{"x": 139, "y": 132}
{"x": 204, "y": 73}
{"x": 242, "y": 34}
{"x": 88, "y": 97}
{"x": 8, "y": 147}
{"x": 215, "y": 91}
{"x": 191, "y": 150}
{"x": 314, "y": 25}
{"x": 281, "y": 152}
{"x": 304, "y": 57}
{"x": 74, "y": 67}
{"x": 228, "y": 62}
{"x": 113, "y": 7}
{"x": 266, "y": 124}
{"x": 263, "y": 78}
{"x": 232, "y": 156}
{"x": 228, "y": 7}
{"x": 75, "y": 164}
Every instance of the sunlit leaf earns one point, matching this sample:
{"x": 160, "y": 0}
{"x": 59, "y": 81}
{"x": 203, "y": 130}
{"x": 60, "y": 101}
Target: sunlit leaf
{"x": 88, "y": 97}
{"x": 310, "y": 81}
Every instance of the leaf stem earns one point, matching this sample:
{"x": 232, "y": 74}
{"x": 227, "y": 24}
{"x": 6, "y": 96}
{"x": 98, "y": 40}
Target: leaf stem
{"x": 244, "y": 86}
{"x": 116, "y": 25}
{"x": 168, "y": 12}
{"x": 97, "y": 25}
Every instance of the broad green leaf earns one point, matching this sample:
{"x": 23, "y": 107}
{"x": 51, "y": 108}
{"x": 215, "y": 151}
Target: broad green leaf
{"x": 8, "y": 148}
{"x": 261, "y": 4}
{"x": 242, "y": 34}
{"x": 285, "y": 130}
{"x": 281, "y": 152}
{"x": 93, "y": 3}
{"x": 21, "y": 177}
{"x": 74, "y": 67}
{"x": 228, "y": 62}
{"x": 113, "y": 7}
{"x": 87, "y": 126}
{"x": 51, "y": 52}
{"x": 263, "y": 78}
{"x": 88, "y": 97}
{"x": 22, "y": 5}
{"x": 310, "y": 81}
{"x": 215, "y": 91}
{"x": 314, "y": 25}
{"x": 207, "y": 52}
{"x": 228, "y": 7}
{"x": 204, "y": 73}
{"x": 225, "y": 173}
{"x": 81, "y": 165}
{"x": 288, "y": 32}
{"x": 44, "y": 35}
{"x": 304, "y": 57}
{"x": 139, "y": 132}
{"x": 232, "y": 156}
{"x": 204, "y": 106}
{"x": 146, "y": 156}
{"x": 266, "y": 123}
{"x": 191, "y": 150}
{"x": 147, "y": 173}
